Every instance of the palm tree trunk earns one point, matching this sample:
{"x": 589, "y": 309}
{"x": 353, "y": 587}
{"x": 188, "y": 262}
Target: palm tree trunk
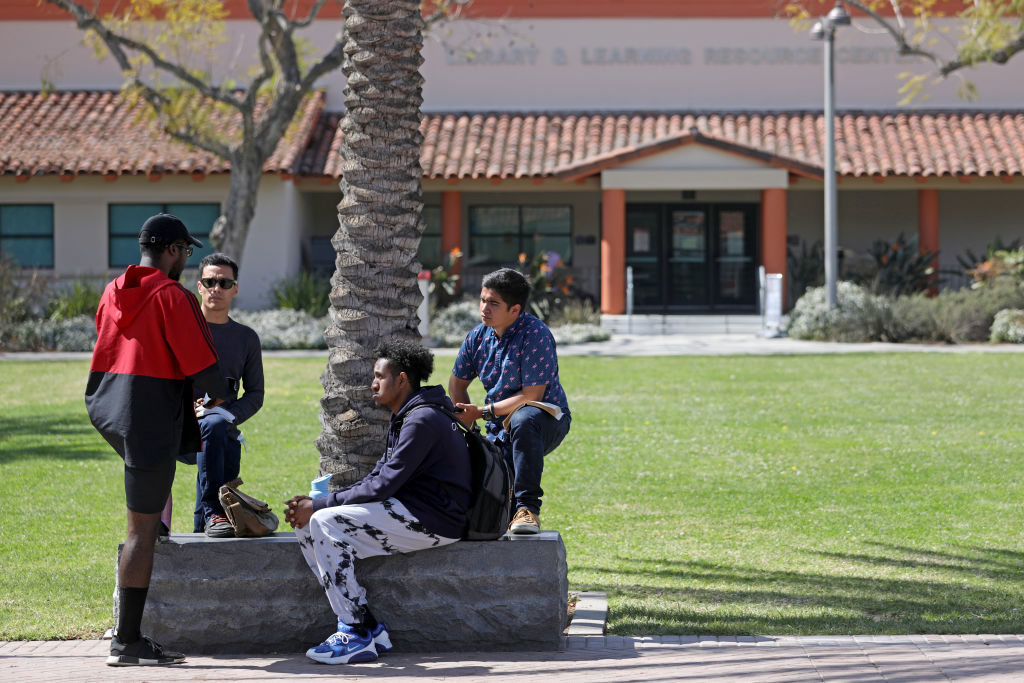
{"x": 374, "y": 294}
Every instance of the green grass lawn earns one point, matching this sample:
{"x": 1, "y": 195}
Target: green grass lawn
{"x": 707, "y": 495}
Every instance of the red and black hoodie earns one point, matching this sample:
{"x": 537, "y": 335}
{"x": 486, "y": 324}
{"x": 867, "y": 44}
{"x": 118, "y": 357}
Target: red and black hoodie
{"x": 152, "y": 345}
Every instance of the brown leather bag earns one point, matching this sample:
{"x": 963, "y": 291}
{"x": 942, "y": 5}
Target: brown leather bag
{"x": 251, "y": 517}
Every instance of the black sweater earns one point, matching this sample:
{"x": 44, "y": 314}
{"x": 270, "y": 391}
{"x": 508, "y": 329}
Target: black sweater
{"x": 425, "y": 466}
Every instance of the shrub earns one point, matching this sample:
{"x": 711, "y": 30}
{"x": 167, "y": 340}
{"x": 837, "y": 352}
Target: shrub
{"x": 901, "y": 267}
{"x": 858, "y": 316}
{"x": 1001, "y": 266}
{"x": 969, "y": 261}
{"x": 42, "y": 334}
{"x": 578, "y": 311}
{"x": 1008, "y": 326}
{"x": 80, "y": 298}
{"x": 308, "y": 291}
{"x": 954, "y": 316}
{"x": 21, "y": 297}
{"x": 285, "y": 328}
{"x": 912, "y": 319}
{"x": 805, "y": 268}
{"x": 451, "y": 325}
{"x": 552, "y": 286}
{"x": 579, "y": 333}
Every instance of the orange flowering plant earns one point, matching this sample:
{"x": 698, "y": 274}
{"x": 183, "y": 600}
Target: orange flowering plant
{"x": 901, "y": 267}
{"x": 1001, "y": 265}
{"x": 552, "y": 285}
{"x": 444, "y": 284}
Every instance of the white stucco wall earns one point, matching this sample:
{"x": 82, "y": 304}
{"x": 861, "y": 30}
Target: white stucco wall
{"x": 81, "y": 223}
{"x": 531, "y": 64}
{"x": 273, "y": 249}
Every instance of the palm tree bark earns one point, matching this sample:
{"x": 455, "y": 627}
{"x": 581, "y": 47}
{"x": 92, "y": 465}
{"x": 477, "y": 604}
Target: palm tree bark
{"x": 374, "y": 294}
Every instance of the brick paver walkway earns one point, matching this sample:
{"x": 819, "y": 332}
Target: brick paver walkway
{"x": 585, "y": 658}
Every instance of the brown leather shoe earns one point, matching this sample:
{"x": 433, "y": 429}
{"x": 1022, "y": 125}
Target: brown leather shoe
{"x": 525, "y": 522}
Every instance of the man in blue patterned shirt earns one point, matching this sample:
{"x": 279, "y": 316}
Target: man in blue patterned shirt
{"x": 527, "y": 413}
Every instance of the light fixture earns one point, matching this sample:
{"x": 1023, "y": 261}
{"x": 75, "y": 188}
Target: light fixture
{"x": 839, "y": 16}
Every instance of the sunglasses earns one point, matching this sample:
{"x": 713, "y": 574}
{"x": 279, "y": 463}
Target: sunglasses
{"x": 184, "y": 247}
{"x": 225, "y": 283}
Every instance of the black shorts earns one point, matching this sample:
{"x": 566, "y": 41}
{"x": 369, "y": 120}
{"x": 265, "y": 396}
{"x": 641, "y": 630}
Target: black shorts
{"x": 146, "y": 489}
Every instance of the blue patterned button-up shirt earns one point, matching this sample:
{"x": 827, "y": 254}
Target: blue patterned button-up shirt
{"x": 523, "y": 356}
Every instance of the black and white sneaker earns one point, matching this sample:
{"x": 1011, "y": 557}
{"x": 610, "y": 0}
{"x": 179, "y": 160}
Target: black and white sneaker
{"x": 143, "y": 652}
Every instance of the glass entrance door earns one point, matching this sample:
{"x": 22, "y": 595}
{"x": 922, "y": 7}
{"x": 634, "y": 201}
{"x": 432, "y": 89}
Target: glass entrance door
{"x": 691, "y": 257}
{"x": 735, "y": 257}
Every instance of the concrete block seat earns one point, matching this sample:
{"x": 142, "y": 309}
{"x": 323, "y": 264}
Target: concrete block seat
{"x": 257, "y": 595}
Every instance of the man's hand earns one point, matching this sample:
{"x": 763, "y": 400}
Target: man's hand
{"x": 200, "y": 407}
{"x": 298, "y": 510}
{"x": 468, "y": 413}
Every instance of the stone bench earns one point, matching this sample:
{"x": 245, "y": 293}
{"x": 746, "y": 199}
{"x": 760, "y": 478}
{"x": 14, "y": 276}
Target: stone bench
{"x": 257, "y": 595}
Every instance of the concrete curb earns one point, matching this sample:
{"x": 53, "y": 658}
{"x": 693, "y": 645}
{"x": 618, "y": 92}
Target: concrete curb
{"x": 590, "y": 615}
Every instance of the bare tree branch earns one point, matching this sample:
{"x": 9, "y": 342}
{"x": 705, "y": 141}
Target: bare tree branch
{"x": 899, "y": 34}
{"x": 313, "y": 12}
{"x": 944, "y": 65}
{"x": 116, "y": 43}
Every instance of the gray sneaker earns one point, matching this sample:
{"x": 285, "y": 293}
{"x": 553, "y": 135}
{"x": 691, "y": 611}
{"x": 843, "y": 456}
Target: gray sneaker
{"x": 218, "y": 526}
{"x": 143, "y": 652}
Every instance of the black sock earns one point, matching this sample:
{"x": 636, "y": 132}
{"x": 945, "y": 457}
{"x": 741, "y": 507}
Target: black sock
{"x": 369, "y": 622}
{"x": 130, "y": 604}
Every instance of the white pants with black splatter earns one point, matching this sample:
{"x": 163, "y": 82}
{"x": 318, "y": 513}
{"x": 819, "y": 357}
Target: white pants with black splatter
{"x": 336, "y": 536}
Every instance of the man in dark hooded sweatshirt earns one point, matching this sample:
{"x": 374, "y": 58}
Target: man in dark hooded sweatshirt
{"x": 416, "y": 497}
{"x": 152, "y": 345}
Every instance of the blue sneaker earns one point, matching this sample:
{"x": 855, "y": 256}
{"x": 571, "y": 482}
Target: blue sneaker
{"x": 350, "y": 645}
{"x": 381, "y": 638}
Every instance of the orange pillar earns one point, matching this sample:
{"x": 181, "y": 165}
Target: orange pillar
{"x": 613, "y": 252}
{"x": 928, "y": 226}
{"x": 773, "y": 233}
{"x": 451, "y": 224}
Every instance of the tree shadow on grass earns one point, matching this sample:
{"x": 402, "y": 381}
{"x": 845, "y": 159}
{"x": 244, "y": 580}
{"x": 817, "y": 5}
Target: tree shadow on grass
{"x": 994, "y": 563}
{"x": 49, "y": 436}
{"x": 693, "y": 597}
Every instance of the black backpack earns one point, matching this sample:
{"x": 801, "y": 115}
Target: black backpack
{"x": 490, "y": 503}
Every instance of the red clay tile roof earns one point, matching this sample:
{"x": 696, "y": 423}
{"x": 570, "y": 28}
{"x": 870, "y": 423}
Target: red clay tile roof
{"x": 575, "y": 145}
{"x": 98, "y": 133}
{"x": 95, "y": 132}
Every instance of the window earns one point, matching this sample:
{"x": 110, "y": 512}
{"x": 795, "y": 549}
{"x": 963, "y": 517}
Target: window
{"x": 498, "y": 234}
{"x": 125, "y": 221}
{"x": 26, "y": 234}
{"x": 430, "y": 242}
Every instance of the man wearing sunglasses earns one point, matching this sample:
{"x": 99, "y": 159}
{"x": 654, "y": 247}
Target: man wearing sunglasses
{"x": 241, "y": 358}
{"x": 153, "y": 345}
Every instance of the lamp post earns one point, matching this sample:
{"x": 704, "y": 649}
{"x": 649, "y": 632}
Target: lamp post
{"x": 825, "y": 29}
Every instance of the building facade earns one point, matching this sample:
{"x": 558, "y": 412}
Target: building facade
{"x": 682, "y": 140}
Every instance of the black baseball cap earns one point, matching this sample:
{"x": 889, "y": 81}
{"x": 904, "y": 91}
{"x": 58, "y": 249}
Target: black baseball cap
{"x": 164, "y": 228}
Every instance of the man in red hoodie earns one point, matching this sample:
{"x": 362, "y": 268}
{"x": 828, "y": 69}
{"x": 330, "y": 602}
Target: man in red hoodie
{"x": 152, "y": 345}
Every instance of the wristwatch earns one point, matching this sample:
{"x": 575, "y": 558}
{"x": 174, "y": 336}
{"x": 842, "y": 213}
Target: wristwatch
{"x": 488, "y": 412}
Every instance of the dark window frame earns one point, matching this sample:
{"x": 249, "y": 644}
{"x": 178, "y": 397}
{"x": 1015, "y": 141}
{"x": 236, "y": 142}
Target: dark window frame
{"x": 4, "y": 235}
{"x": 162, "y": 207}
{"x": 523, "y": 238}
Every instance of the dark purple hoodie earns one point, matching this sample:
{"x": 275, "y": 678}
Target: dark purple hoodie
{"x": 425, "y": 466}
